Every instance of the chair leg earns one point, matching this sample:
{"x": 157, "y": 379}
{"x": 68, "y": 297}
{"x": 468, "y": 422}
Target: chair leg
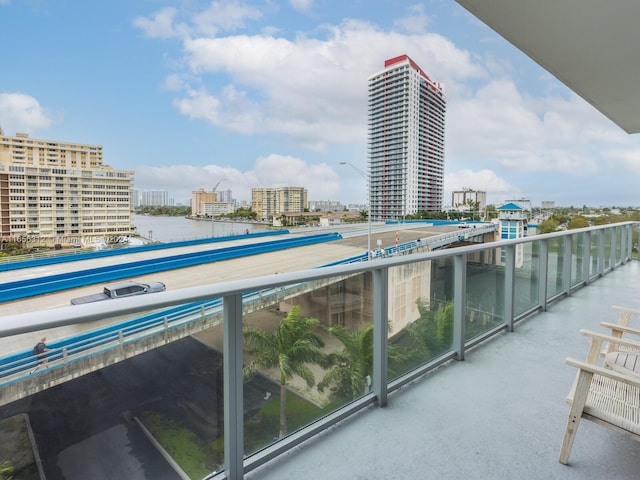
{"x": 575, "y": 414}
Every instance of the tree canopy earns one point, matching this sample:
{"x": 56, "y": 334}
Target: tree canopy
{"x": 289, "y": 348}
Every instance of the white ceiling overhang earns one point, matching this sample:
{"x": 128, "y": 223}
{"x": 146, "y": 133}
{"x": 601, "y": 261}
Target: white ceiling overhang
{"x": 592, "y": 46}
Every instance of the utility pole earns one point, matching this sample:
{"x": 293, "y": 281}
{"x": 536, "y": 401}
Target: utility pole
{"x": 368, "y": 179}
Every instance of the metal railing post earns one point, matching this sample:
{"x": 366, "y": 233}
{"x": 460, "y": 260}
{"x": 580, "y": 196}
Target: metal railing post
{"x": 586, "y": 264}
{"x": 509, "y": 285}
{"x": 459, "y": 303}
{"x": 566, "y": 264}
{"x": 614, "y": 247}
{"x": 543, "y": 268}
{"x": 380, "y": 330}
{"x": 233, "y": 400}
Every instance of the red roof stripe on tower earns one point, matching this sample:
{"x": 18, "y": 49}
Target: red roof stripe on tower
{"x": 402, "y": 58}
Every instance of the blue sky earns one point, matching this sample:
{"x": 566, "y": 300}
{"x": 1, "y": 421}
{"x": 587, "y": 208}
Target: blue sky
{"x": 272, "y": 93}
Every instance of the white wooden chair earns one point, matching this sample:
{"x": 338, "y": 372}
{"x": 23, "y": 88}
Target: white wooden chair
{"x": 603, "y": 395}
{"x": 625, "y": 314}
{"x": 622, "y": 328}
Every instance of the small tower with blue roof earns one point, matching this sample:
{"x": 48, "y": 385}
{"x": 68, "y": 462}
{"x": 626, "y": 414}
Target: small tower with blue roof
{"x": 513, "y": 224}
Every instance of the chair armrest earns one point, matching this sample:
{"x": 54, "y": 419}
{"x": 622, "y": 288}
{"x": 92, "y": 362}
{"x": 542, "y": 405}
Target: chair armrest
{"x": 615, "y": 340}
{"x": 629, "y": 311}
{"x": 620, "y": 328}
{"x": 629, "y": 379}
{"x": 625, "y": 314}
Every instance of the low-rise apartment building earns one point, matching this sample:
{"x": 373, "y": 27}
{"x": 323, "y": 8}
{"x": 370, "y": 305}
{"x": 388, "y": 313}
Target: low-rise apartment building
{"x": 268, "y": 203}
{"x": 60, "y": 192}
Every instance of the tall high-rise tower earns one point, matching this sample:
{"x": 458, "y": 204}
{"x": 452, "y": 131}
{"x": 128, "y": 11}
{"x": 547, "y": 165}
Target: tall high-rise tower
{"x": 406, "y": 141}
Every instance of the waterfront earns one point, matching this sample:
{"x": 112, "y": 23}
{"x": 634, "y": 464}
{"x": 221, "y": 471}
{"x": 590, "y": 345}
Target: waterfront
{"x": 177, "y": 229}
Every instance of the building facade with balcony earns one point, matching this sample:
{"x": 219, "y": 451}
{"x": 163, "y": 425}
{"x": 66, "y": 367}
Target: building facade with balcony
{"x": 59, "y": 192}
{"x": 468, "y": 199}
{"x": 272, "y": 202}
{"x": 405, "y": 141}
{"x": 201, "y": 202}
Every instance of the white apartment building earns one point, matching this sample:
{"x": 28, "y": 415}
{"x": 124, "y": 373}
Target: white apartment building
{"x": 268, "y": 203}
{"x": 468, "y": 199}
{"x": 155, "y": 198}
{"x": 60, "y": 192}
{"x": 405, "y": 141}
{"x": 523, "y": 203}
{"x": 325, "y": 206}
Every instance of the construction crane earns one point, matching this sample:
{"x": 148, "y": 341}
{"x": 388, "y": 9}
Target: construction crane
{"x": 213, "y": 199}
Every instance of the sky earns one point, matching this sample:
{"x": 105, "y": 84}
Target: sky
{"x": 191, "y": 94}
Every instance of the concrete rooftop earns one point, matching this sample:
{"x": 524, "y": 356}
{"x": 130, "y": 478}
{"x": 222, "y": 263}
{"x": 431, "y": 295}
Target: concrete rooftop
{"x": 499, "y": 414}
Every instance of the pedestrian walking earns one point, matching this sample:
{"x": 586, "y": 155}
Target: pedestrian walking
{"x": 40, "y": 350}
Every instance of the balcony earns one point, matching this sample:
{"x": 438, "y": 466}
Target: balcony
{"x": 485, "y": 401}
{"x": 499, "y": 414}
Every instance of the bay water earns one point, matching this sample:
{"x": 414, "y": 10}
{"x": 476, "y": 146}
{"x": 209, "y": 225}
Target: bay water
{"x": 177, "y": 229}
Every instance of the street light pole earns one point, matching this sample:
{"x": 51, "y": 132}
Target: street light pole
{"x": 368, "y": 179}
{"x": 213, "y": 196}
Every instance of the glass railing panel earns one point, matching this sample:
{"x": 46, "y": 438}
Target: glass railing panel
{"x": 125, "y": 382}
{"x": 620, "y": 232}
{"x": 555, "y": 277}
{"x": 309, "y": 350}
{"x": 609, "y": 248}
{"x": 485, "y": 291}
{"x": 420, "y": 314}
{"x": 577, "y": 258}
{"x": 527, "y": 276}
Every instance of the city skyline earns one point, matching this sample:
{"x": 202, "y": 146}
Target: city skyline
{"x": 274, "y": 94}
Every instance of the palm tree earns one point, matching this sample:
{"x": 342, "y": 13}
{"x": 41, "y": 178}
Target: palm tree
{"x": 289, "y": 348}
{"x": 353, "y": 364}
{"x": 433, "y": 331}
{"x": 6, "y": 470}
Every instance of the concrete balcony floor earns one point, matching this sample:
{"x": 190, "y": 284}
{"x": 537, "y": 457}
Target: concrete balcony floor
{"x": 499, "y": 414}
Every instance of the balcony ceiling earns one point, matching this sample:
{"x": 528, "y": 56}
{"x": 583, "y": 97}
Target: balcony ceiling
{"x": 589, "y": 45}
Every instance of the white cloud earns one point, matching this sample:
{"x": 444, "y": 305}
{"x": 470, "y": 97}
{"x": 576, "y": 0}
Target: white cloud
{"x": 22, "y": 113}
{"x": 273, "y": 170}
{"x": 225, "y": 15}
{"x": 219, "y": 16}
{"x": 551, "y": 134}
{"x": 312, "y": 90}
{"x": 484, "y": 180}
{"x": 416, "y": 20}
{"x": 301, "y": 5}
{"x": 160, "y": 24}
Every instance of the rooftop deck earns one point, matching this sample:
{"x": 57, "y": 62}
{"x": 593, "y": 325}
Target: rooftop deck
{"x": 500, "y": 413}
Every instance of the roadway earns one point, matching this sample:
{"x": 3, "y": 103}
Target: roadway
{"x": 354, "y": 243}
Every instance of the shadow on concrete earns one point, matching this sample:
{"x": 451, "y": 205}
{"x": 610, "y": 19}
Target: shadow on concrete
{"x": 182, "y": 380}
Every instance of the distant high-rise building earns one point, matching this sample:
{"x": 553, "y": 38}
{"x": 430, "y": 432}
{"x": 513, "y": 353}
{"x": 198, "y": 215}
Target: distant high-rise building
{"x": 60, "y": 192}
{"x": 135, "y": 198}
{"x": 272, "y": 202}
{"x": 225, "y": 196}
{"x": 155, "y": 198}
{"x": 405, "y": 141}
